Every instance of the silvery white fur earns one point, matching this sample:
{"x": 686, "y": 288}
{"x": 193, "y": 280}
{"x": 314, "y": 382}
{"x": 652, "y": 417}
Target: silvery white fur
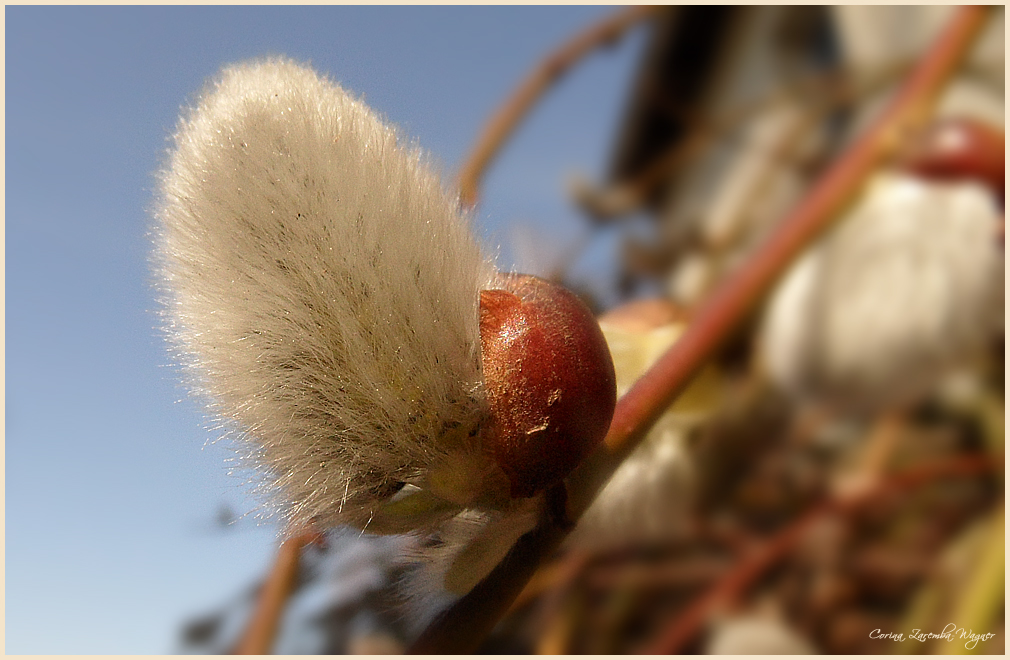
{"x": 910, "y": 281}
{"x": 322, "y": 289}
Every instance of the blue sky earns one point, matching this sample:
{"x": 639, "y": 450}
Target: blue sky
{"x": 111, "y": 484}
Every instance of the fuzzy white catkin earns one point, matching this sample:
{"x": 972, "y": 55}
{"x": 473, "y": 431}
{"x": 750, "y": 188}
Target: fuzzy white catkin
{"x": 755, "y": 634}
{"x": 645, "y": 499}
{"x": 908, "y": 283}
{"x": 452, "y": 559}
{"x": 322, "y": 289}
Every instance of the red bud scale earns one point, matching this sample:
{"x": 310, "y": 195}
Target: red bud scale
{"x": 549, "y": 380}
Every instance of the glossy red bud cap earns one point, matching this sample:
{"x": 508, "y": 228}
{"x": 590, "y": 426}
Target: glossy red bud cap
{"x": 959, "y": 149}
{"x": 549, "y": 379}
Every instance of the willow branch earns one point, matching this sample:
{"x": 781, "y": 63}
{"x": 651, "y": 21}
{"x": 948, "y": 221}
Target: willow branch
{"x": 512, "y": 112}
{"x": 826, "y": 91}
{"x": 656, "y": 390}
{"x": 463, "y": 625}
{"x": 258, "y": 638}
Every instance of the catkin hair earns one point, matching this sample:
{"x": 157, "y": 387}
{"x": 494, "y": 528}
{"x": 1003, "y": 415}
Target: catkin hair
{"x": 905, "y": 287}
{"x": 321, "y": 288}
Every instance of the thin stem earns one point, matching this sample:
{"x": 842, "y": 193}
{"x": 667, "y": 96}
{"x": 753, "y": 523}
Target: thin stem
{"x": 259, "y": 636}
{"x": 827, "y": 92}
{"x": 512, "y": 112}
{"x": 653, "y": 393}
{"x": 461, "y": 628}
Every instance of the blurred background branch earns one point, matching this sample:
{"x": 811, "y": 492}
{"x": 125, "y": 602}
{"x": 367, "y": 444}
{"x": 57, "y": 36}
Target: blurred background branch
{"x": 653, "y": 393}
{"x": 511, "y": 113}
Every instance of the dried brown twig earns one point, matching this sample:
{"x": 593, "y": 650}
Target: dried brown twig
{"x": 464, "y": 625}
{"x": 688, "y": 624}
{"x": 258, "y": 638}
{"x": 522, "y": 100}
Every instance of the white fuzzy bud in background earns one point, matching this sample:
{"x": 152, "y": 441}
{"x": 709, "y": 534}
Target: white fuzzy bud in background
{"x": 322, "y": 288}
{"x": 453, "y": 559}
{"x": 909, "y": 282}
{"x": 646, "y": 500}
{"x": 755, "y": 634}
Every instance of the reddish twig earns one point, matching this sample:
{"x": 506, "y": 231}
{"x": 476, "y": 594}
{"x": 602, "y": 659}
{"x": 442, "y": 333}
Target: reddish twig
{"x": 522, "y": 100}
{"x": 462, "y": 627}
{"x": 672, "y": 574}
{"x": 557, "y": 578}
{"x": 653, "y": 393}
{"x": 258, "y": 638}
{"x": 827, "y": 92}
{"x": 687, "y": 625}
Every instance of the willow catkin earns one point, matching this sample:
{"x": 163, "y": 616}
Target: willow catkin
{"x": 908, "y": 284}
{"x": 321, "y": 288}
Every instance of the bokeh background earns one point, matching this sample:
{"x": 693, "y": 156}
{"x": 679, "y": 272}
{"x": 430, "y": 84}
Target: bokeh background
{"x": 124, "y": 523}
